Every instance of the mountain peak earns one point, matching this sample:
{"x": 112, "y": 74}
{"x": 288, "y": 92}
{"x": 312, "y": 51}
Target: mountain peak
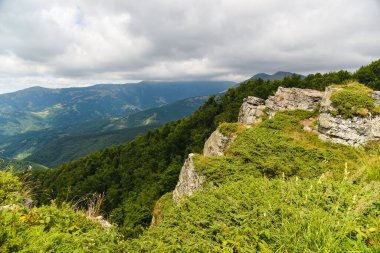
{"x": 279, "y": 75}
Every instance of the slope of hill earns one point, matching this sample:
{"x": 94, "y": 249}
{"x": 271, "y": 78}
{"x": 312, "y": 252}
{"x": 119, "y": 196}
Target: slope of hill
{"x": 41, "y": 108}
{"x": 276, "y": 76}
{"x": 52, "y": 147}
{"x": 277, "y": 188}
{"x": 69, "y": 148}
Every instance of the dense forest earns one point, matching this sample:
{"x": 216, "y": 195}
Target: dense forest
{"x": 135, "y": 175}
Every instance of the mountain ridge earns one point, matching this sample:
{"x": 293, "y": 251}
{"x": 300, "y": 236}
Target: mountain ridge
{"x": 279, "y": 75}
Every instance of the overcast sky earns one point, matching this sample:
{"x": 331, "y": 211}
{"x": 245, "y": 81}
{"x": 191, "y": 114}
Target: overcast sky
{"x": 55, "y": 43}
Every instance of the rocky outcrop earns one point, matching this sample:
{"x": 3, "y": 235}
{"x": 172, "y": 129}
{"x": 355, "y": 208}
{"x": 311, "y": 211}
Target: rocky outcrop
{"x": 252, "y": 110}
{"x": 352, "y": 131}
{"x": 189, "y": 180}
{"x": 217, "y": 143}
{"x": 293, "y": 99}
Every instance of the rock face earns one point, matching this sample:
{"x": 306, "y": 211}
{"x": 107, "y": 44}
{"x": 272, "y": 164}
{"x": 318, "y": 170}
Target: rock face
{"x": 293, "y": 99}
{"x": 252, "y": 110}
{"x": 217, "y": 143}
{"x": 189, "y": 180}
{"x": 353, "y": 131}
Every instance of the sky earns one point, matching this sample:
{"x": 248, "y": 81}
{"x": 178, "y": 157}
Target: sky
{"x": 55, "y": 43}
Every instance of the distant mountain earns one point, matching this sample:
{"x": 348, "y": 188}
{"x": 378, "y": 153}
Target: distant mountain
{"x": 52, "y": 147}
{"x": 276, "y": 76}
{"x": 40, "y": 108}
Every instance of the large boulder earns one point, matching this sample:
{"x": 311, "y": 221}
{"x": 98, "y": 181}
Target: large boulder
{"x": 349, "y": 131}
{"x": 293, "y": 99}
{"x": 217, "y": 143}
{"x": 189, "y": 180}
{"x": 252, "y": 110}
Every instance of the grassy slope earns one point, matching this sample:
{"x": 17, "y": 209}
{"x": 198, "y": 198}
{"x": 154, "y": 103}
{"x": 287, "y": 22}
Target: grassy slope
{"x": 278, "y": 188}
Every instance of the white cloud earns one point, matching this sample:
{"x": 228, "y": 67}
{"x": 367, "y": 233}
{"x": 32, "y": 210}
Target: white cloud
{"x": 59, "y": 43}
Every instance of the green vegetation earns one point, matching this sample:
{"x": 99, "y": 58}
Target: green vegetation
{"x": 230, "y": 129}
{"x": 19, "y": 165}
{"x": 370, "y": 75}
{"x": 279, "y": 147}
{"x": 278, "y": 189}
{"x": 69, "y": 148}
{"x": 261, "y": 215}
{"x": 48, "y": 228}
{"x": 354, "y": 99}
{"x": 135, "y": 175}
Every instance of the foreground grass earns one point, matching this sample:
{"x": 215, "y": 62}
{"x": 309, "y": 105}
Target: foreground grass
{"x": 48, "y": 228}
{"x": 257, "y": 214}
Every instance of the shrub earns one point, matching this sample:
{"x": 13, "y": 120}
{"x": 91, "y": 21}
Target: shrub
{"x": 353, "y": 100}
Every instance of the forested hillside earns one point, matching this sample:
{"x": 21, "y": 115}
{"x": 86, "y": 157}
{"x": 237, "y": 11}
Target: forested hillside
{"x": 133, "y": 176}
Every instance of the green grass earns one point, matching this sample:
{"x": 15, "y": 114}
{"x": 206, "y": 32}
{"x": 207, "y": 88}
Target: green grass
{"x": 261, "y": 215}
{"x": 48, "y": 228}
{"x": 352, "y": 100}
{"x": 280, "y": 147}
{"x": 230, "y": 129}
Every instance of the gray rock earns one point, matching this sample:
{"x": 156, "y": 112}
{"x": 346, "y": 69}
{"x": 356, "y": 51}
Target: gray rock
{"x": 28, "y": 203}
{"x": 293, "y": 99}
{"x": 9, "y": 207}
{"x": 376, "y": 96}
{"x": 252, "y": 110}
{"x": 353, "y": 131}
{"x": 103, "y": 222}
{"x": 217, "y": 144}
{"x": 189, "y": 180}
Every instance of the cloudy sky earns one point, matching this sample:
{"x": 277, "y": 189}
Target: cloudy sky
{"x": 55, "y": 43}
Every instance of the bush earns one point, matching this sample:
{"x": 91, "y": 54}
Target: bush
{"x": 9, "y": 188}
{"x": 353, "y": 100}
